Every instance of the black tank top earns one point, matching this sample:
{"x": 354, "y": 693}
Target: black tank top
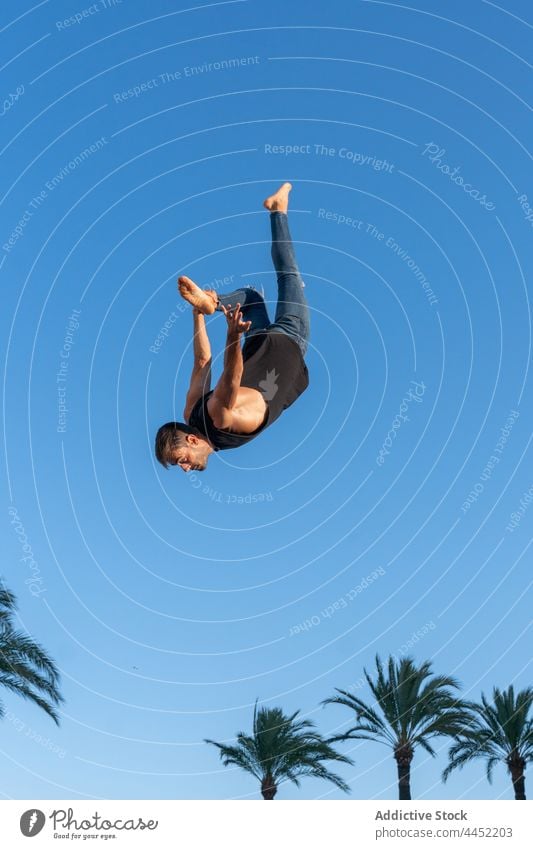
{"x": 274, "y": 366}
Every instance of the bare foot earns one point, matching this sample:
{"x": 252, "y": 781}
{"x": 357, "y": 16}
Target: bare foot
{"x": 204, "y": 302}
{"x": 279, "y": 201}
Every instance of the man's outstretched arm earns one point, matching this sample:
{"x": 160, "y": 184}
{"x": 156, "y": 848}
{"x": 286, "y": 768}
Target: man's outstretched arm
{"x": 201, "y": 371}
{"x": 224, "y": 397}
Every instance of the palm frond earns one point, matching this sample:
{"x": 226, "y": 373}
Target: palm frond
{"x": 282, "y": 748}
{"x": 21, "y": 688}
{"x": 412, "y": 706}
{"x": 25, "y": 667}
{"x": 498, "y": 731}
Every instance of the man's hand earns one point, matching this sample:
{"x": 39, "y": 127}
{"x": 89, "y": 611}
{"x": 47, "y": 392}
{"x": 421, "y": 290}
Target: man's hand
{"x": 236, "y": 326}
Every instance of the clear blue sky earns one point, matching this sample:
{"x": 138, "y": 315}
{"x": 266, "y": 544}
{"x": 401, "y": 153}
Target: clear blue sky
{"x": 171, "y": 604}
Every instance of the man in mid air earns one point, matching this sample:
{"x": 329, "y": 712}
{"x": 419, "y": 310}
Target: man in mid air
{"x": 260, "y": 379}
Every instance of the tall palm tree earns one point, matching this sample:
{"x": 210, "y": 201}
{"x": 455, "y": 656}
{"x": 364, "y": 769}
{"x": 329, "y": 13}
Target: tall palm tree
{"x": 25, "y": 667}
{"x": 501, "y": 731}
{"x": 281, "y": 748}
{"x": 412, "y": 706}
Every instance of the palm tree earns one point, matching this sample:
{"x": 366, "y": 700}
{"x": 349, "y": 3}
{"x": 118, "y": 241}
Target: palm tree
{"x": 501, "y": 731}
{"x": 25, "y": 667}
{"x": 412, "y": 706}
{"x": 281, "y": 748}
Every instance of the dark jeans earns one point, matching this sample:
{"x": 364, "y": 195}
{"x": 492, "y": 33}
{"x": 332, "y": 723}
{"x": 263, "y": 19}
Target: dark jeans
{"x": 292, "y": 311}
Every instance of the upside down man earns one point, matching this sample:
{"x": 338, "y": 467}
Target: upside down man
{"x": 261, "y": 378}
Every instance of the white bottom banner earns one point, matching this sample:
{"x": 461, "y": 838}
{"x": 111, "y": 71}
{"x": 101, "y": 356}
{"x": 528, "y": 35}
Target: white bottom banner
{"x": 254, "y": 825}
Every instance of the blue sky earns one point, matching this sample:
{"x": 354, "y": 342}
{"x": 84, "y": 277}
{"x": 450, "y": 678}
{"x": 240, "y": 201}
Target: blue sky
{"x": 135, "y": 148}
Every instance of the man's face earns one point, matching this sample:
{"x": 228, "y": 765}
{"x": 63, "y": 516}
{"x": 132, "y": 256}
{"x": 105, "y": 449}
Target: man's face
{"x": 190, "y": 457}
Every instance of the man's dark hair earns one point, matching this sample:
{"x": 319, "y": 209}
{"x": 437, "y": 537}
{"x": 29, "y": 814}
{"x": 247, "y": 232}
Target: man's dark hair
{"x": 169, "y": 437}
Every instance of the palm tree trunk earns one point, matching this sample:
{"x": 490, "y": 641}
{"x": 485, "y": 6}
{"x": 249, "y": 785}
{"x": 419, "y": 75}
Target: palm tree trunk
{"x": 268, "y": 787}
{"x": 519, "y": 782}
{"x": 403, "y": 761}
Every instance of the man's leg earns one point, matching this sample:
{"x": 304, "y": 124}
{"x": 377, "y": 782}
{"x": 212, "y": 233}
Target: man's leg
{"x": 253, "y": 307}
{"x": 292, "y": 313}
{"x": 207, "y": 301}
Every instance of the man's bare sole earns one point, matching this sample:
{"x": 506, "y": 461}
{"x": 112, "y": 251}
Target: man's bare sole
{"x": 205, "y": 302}
{"x": 279, "y": 201}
